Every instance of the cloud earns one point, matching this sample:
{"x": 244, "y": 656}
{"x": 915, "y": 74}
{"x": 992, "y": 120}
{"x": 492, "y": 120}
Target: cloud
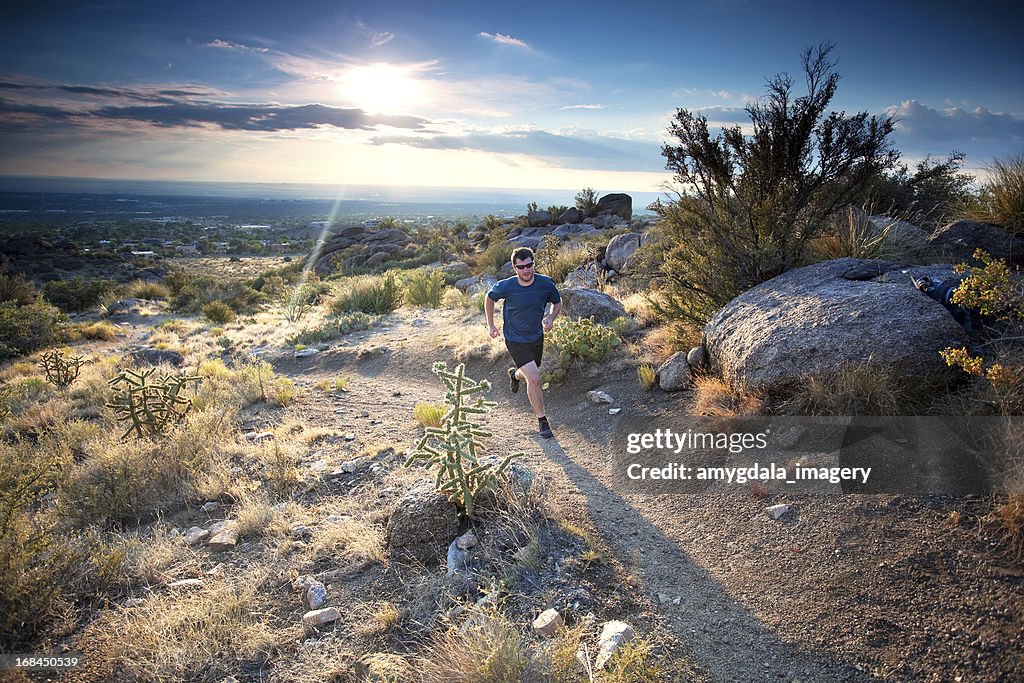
{"x": 257, "y": 117}
{"x": 505, "y": 40}
{"x": 583, "y": 106}
{"x": 952, "y": 125}
{"x": 572, "y": 151}
{"x": 378, "y": 39}
{"x": 229, "y": 45}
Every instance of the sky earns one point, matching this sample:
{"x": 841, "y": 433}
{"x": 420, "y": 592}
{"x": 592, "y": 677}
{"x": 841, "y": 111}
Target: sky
{"x": 473, "y": 94}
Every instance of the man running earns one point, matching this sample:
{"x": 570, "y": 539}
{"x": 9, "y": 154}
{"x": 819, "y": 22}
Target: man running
{"x": 523, "y": 321}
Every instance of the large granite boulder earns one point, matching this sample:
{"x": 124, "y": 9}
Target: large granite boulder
{"x": 578, "y": 302}
{"x": 957, "y": 241}
{"x": 822, "y": 317}
{"x": 619, "y": 249}
{"x": 538, "y": 219}
{"x": 569, "y": 216}
{"x": 619, "y": 204}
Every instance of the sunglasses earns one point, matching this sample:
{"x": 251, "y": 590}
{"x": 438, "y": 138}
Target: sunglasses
{"x": 523, "y": 266}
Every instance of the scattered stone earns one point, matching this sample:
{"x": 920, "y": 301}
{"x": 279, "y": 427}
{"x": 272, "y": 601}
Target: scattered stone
{"x": 547, "y": 623}
{"x": 697, "y": 357}
{"x": 664, "y": 598}
{"x": 226, "y": 539}
{"x": 195, "y": 535}
{"x": 614, "y": 411}
{"x": 614, "y": 634}
{"x": 133, "y": 602}
{"x": 186, "y": 583}
{"x": 259, "y": 437}
{"x": 316, "y": 595}
{"x": 350, "y": 437}
{"x": 319, "y": 617}
{"x": 599, "y": 397}
{"x": 674, "y": 373}
{"x": 349, "y": 466}
{"x": 210, "y": 506}
{"x": 458, "y": 559}
{"x": 776, "y": 512}
{"x": 299, "y": 531}
{"x": 305, "y": 353}
{"x": 466, "y": 541}
{"x": 364, "y": 413}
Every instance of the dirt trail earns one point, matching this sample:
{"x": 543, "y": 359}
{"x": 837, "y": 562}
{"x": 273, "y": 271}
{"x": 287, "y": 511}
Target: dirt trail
{"x": 848, "y": 588}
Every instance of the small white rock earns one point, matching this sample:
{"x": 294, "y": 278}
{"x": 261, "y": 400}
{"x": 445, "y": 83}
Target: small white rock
{"x": 776, "y": 512}
{"x": 548, "y": 623}
{"x": 599, "y": 397}
{"x": 210, "y": 506}
{"x": 349, "y": 466}
{"x": 319, "y": 617}
{"x": 195, "y": 535}
{"x": 614, "y": 411}
{"x": 186, "y": 583}
{"x": 316, "y": 595}
{"x": 304, "y": 353}
{"x": 613, "y": 634}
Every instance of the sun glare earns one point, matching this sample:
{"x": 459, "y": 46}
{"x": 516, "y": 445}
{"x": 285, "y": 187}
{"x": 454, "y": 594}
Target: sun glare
{"x": 380, "y": 88}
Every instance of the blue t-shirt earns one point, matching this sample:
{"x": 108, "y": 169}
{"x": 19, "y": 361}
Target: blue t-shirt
{"x": 523, "y": 312}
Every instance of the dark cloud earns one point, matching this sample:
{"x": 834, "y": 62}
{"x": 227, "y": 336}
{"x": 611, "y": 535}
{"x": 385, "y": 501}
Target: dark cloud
{"x": 602, "y": 153}
{"x": 256, "y": 117}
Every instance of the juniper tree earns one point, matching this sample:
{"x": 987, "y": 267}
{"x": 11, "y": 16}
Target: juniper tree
{"x": 747, "y": 206}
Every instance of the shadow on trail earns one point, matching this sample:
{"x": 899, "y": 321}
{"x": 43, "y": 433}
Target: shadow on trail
{"x": 707, "y": 612}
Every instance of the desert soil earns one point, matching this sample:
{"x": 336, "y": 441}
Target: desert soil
{"x": 844, "y": 588}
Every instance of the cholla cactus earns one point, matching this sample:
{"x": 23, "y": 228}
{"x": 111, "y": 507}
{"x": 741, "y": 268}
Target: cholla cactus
{"x": 61, "y": 371}
{"x": 150, "y": 406}
{"x": 455, "y": 447}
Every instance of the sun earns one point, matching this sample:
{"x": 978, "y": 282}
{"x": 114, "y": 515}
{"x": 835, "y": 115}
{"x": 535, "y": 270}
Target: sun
{"x": 380, "y": 88}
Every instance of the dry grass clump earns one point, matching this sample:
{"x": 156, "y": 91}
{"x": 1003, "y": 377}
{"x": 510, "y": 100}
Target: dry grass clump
{"x": 242, "y": 385}
{"x": 253, "y": 515}
{"x": 714, "y": 398}
{"x": 349, "y": 536}
{"x": 99, "y": 330}
{"x": 140, "y": 289}
{"x": 1002, "y": 197}
{"x": 188, "y": 634}
{"x": 159, "y": 556}
{"x": 487, "y": 648}
{"x": 470, "y": 341}
{"x": 861, "y": 389}
{"x": 429, "y": 414}
{"x": 558, "y": 260}
{"x": 850, "y": 233}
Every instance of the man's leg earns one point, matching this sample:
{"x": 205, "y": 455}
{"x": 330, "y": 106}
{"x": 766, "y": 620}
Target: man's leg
{"x": 530, "y": 374}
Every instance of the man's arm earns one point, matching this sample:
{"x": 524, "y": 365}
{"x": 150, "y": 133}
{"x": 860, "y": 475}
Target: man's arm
{"x": 489, "y": 312}
{"x": 549, "y": 319}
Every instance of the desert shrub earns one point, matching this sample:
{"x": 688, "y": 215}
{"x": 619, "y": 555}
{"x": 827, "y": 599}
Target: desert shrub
{"x": 493, "y": 257}
{"x": 425, "y": 287}
{"x": 77, "y": 294}
{"x": 998, "y": 370}
{"x": 1001, "y": 199}
{"x": 98, "y": 330}
{"x": 335, "y": 385}
{"x": 27, "y": 328}
{"x": 141, "y": 289}
{"x": 377, "y": 294}
{"x": 581, "y": 339}
{"x": 556, "y": 213}
{"x": 556, "y": 260}
{"x": 15, "y": 287}
{"x": 301, "y": 301}
{"x": 586, "y": 201}
{"x": 339, "y": 324}
{"x": 861, "y": 389}
{"x": 753, "y": 203}
{"x": 191, "y": 293}
{"x": 218, "y": 313}
{"x": 225, "y": 390}
{"x": 935, "y": 192}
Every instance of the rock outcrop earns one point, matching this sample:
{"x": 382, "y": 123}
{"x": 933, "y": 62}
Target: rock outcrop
{"x": 585, "y": 303}
{"x": 816, "y": 320}
{"x": 356, "y": 245}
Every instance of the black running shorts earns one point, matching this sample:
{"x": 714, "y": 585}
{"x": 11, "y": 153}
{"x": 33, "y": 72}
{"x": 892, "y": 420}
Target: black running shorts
{"x": 522, "y": 354}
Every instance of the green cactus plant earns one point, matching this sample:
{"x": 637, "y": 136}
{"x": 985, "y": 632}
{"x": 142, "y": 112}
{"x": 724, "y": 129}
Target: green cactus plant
{"x": 150, "y": 406}
{"x": 583, "y": 339}
{"x": 454, "y": 448}
{"x": 61, "y": 371}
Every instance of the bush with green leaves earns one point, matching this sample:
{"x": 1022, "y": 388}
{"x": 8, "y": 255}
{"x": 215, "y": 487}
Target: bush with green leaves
{"x": 425, "y": 287}
{"x": 581, "y": 339}
{"x": 15, "y": 287}
{"x": 935, "y": 192}
{"x": 747, "y": 206}
{"x": 455, "y": 447}
{"x": 27, "y": 328}
{"x": 78, "y": 293}
{"x": 218, "y": 313}
{"x": 377, "y": 294}
{"x": 586, "y": 201}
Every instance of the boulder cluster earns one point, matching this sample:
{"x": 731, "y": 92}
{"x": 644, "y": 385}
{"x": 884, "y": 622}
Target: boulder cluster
{"x": 357, "y": 245}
